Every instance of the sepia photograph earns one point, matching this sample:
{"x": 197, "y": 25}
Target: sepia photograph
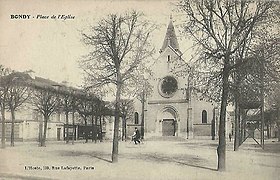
{"x": 140, "y": 89}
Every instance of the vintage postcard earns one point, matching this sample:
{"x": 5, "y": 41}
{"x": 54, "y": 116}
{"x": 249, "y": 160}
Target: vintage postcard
{"x": 139, "y": 89}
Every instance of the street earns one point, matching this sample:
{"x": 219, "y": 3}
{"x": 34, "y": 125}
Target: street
{"x": 154, "y": 159}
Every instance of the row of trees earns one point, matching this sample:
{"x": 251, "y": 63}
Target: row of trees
{"x": 19, "y": 89}
{"x": 231, "y": 38}
{"x": 236, "y": 45}
{"x": 273, "y": 110}
{"x": 228, "y": 36}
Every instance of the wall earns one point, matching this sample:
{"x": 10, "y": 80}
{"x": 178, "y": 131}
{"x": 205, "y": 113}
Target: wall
{"x": 202, "y": 130}
{"x": 17, "y": 131}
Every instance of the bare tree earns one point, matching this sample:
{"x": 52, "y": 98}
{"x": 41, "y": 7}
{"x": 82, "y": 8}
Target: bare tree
{"x": 274, "y": 106}
{"x": 95, "y": 113}
{"x": 66, "y": 95}
{"x": 137, "y": 87}
{"x": 18, "y": 93}
{"x": 102, "y": 111}
{"x": 74, "y": 101}
{"x": 75, "y": 94}
{"x": 220, "y": 28}
{"x": 99, "y": 108}
{"x": 144, "y": 89}
{"x": 260, "y": 70}
{"x": 127, "y": 112}
{"x": 3, "y": 105}
{"x": 85, "y": 109}
{"x": 119, "y": 44}
{"x": 46, "y": 100}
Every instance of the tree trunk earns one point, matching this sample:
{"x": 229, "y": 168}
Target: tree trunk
{"x": 213, "y": 125}
{"x": 268, "y": 132}
{"x": 278, "y": 123}
{"x": 92, "y": 129}
{"x": 95, "y": 129}
{"x": 242, "y": 125}
{"x": 67, "y": 126}
{"x": 115, "y": 150}
{"x": 101, "y": 134}
{"x": 40, "y": 136}
{"x": 3, "y": 135}
{"x": 86, "y": 131}
{"x": 13, "y": 127}
{"x": 236, "y": 126}
{"x": 278, "y": 131}
{"x": 123, "y": 127}
{"x": 143, "y": 115}
{"x": 221, "y": 150}
{"x": 125, "y": 131}
{"x": 43, "y": 142}
{"x": 74, "y": 129}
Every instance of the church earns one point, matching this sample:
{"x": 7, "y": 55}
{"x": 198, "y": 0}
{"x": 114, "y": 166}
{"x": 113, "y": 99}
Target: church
{"x": 172, "y": 109}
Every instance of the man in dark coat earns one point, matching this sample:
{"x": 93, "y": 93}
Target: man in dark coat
{"x": 136, "y": 136}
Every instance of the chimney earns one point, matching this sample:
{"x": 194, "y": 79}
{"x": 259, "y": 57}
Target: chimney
{"x": 31, "y": 73}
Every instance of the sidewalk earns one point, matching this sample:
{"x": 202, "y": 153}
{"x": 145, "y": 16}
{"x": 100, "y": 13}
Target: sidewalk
{"x": 190, "y": 159}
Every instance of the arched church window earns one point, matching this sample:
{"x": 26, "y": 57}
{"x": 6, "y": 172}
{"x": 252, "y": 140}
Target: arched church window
{"x": 136, "y": 118}
{"x": 204, "y": 116}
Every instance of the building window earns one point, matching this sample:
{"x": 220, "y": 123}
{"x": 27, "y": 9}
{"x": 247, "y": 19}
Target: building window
{"x": 58, "y": 117}
{"x": 168, "y": 86}
{"x": 204, "y": 116}
{"x": 168, "y": 58}
{"x": 136, "y": 118}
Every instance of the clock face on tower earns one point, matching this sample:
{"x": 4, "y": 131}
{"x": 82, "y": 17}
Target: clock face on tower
{"x": 168, "y": 86}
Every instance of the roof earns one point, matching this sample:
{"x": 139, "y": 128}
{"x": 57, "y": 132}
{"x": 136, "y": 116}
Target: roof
{"x": 170, "y": 38}
{"x": 26, "y": 79}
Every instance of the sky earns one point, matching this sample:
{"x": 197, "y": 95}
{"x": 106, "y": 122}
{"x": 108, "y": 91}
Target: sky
{"x": 53, "y": 47}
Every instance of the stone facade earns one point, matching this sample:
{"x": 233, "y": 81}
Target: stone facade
{"x": 171, "y": 109}
{"x": 28, "y": 120}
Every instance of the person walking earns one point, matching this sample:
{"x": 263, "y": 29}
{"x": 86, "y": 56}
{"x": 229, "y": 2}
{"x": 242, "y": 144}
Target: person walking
{"x": 136, "y": 136}
{"x": 229, "y": 135}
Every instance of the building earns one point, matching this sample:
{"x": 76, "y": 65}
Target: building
{"x": 172, "y": 109}
{"x": 28, "y": 118}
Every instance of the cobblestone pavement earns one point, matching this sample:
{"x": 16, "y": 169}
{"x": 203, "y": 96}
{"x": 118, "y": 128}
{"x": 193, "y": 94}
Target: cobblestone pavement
{"x": 154, "y": 159}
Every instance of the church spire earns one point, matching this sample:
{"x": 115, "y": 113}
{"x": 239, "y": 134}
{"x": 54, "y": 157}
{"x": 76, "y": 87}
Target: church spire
{"x": 170, "y": 37}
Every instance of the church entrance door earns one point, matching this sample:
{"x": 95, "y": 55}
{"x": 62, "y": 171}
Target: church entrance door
{"x": 168, "y": 127}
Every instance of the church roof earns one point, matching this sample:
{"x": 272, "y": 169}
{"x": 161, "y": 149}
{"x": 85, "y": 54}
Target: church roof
{"x": 170, "y": 38}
